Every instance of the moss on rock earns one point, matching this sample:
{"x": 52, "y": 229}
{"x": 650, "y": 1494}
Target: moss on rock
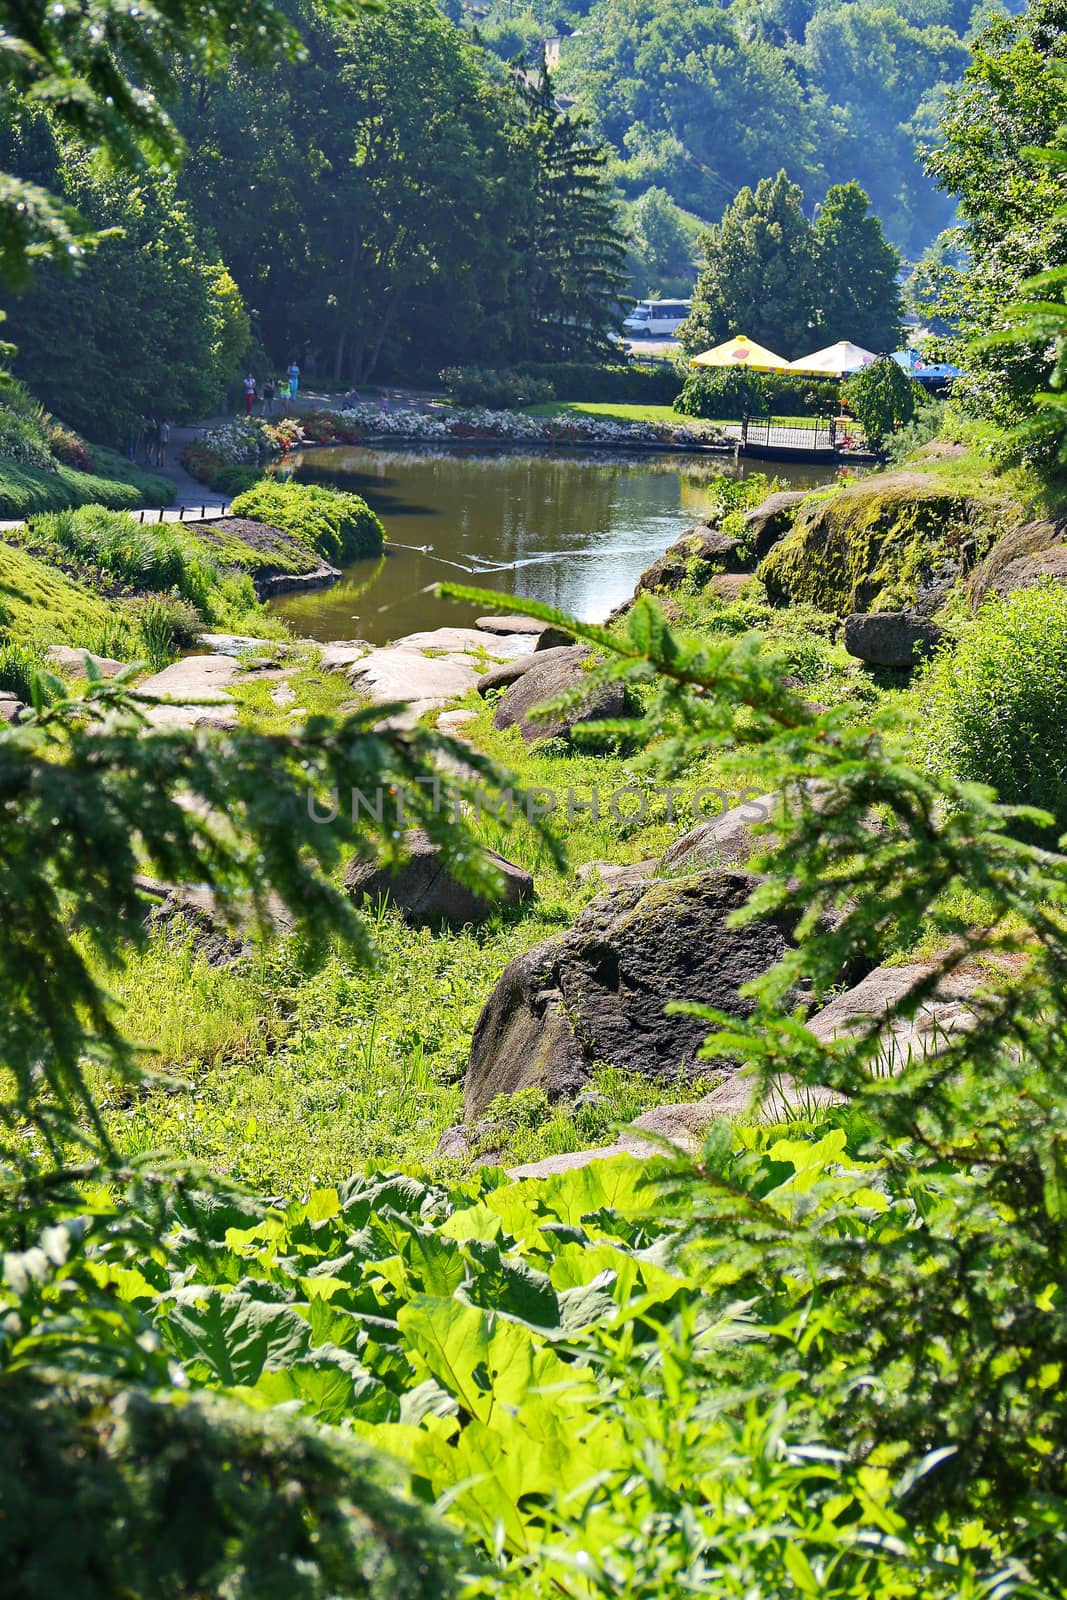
{"x": 877, "y": 545}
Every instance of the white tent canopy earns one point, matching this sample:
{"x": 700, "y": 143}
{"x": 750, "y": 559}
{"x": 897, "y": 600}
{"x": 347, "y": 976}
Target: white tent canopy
{"x": 835, "y": 361}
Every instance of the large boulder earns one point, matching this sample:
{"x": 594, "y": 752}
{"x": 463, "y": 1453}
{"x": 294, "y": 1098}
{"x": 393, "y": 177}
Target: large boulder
{"x": 11, "y": 707}
{"x": 552, "y": 673}
{"x": 423, "y": 889}
{"x": 220, "y": 933}
{"x": 950, "y": 1011}
{"x": 772, "y": 519}
{"x": 1026, "y": 556}
{"x": 879, "y": 544}
{"x": 891, "y": 638}
{"x": 598, "y": 992}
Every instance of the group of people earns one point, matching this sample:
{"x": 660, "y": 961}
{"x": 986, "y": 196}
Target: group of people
{"x": 284, "y": 389}
{"x": 150, "y": 442}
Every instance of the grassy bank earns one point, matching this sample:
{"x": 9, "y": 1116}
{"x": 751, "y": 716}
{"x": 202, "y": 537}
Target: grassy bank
{"x": 114, "y": 482}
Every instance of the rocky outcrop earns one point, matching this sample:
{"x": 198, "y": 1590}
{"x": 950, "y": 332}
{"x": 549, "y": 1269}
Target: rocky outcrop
{"x": 269, "y": 584}
{"x": 702, "y": 552}
{"x": 951, "y": 1011}
{"x": 221, "y": 935}
{"x": 891, "y": 638}
{"x": 424, "y": 889}
{"x": 552, "y": 638}
{"x": 195, "y": 678}
{"x": 553, "y": 673}
{"x": 425, "y": 669}
{"x": 772, "y": 519}
{"x": 598, "y": 992}
{"x": 1025, "y": 556}
{"x": 879, "y": 544}
{"x": 505, "y": 673}
{"x": 725, "y": 841}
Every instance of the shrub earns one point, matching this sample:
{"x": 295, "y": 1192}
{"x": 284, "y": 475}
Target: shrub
{"x": 997, "y": 703}
{"x": 728, "y": 393}
{"x": 505, "y": 390}
{"x": 24, "y": 440}
{"x": 69, "y": 447}
{"x": 884, "y": 398}
{"x": 722, "y": 395}
{"x": 632, "y": 385}
{"x": 233, "y": 480}
{"x": 336, "y": 525}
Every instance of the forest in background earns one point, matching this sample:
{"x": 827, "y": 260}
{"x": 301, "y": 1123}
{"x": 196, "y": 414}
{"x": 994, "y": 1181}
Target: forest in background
{"x": 330, "y": 209}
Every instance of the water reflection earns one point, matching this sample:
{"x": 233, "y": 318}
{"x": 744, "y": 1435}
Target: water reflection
{"x": 575, "y": 531}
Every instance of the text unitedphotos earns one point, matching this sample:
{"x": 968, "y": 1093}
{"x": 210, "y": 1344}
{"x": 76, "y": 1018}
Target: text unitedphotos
{"x": 626, "y": 805}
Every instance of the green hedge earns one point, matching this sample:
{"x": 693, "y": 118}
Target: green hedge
{"x": 336, "y": 525}
{"x": 726, "y": 394}
{"x": 577, "y": 380}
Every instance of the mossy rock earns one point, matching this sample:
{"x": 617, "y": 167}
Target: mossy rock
{"x": 882, "y": 544}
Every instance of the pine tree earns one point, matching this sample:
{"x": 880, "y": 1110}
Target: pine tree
{"x": 759, "y": 276}
{"x": 858, "y": 289}
{"x": 575, "y": 252}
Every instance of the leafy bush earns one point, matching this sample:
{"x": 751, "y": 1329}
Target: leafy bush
{"x": 24, "y": 441}
{"x": 997, "y": 703}
{"x": 503, "y": 390}
{"x": 883, "y": 398}
{"x": 69, "y": 447}
{"x": 233, "y": 480}
{"x": 728, "y": 393}
{"x": 633, "y": 385}
{"x": 336, "y": 525}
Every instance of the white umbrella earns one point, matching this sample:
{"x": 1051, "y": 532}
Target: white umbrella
{"x": 835, "y": 361}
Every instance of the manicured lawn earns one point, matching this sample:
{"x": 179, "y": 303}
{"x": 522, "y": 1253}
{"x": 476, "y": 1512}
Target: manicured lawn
{"x": 661, "y": 414}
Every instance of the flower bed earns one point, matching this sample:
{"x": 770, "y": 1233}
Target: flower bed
{"x": 252, "y": 442}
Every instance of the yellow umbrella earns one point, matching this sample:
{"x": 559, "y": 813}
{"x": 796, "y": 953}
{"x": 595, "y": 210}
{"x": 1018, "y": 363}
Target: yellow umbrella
{"x": 741, "y": 352}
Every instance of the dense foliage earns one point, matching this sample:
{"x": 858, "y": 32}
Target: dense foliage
{"x": 997, "y": 701}
{"x": 731, "y": 393}
{"x": 770, "y": 275}
{"x": 702, "y": 100}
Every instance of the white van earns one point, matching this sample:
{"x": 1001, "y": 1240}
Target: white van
{"x": 656, "y": 318}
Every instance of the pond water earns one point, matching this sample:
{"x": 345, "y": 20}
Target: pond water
{"x": 573, "y": 530}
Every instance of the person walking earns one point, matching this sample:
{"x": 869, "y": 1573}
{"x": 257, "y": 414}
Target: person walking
{"x": 268, "y": 396}
{"x": 151, "y": 439}
{"x": 250, "y": 393}
{"x": 294, "y": 379}
{"x": 283, "y": 395}
{"x": 162, "y": 443}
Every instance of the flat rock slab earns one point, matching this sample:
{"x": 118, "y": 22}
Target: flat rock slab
{"x": 66, "y": 659}
{"x": 724, "y": 841}
{"x": 510, "y": 625}
{"x": 283, "y": 695}
{"x": 398, "y": 672}
{"x": 11, "y": 707}
{"x": 235, "y": 644}
{"x": 193, "y": 678}
{"x": 449, "y": 721}
{"x": 344, "y": 653}
{"x": 453, "y": 641}
{"x": 598, "y": 992}
{"x": 613, "y": 873}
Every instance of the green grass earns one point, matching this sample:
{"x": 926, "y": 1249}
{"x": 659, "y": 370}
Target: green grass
{"x": 664, "y": 415}
{"x": 38, "y": 602}
{"x": 115, "y": 482}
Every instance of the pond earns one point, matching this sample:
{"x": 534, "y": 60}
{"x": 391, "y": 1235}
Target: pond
{"x": 573, "y": 530}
